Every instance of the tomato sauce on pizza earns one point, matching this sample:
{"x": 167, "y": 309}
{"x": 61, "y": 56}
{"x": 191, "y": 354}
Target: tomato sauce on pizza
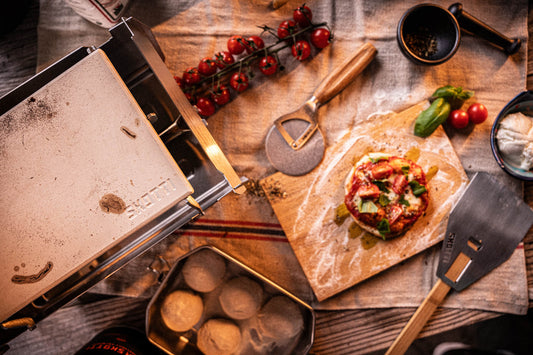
{"x": 386, "y": 194}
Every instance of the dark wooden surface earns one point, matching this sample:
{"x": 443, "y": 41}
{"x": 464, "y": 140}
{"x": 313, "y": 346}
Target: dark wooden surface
{"x": 339, "y": 332}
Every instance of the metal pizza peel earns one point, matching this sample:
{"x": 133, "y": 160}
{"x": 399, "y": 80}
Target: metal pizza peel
{"x": 294, "y": 145}
{"x": 484, "y": 229}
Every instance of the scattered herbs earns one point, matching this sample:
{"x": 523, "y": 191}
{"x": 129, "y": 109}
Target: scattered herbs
{"x": 381, "y": 185}
{"x": 417, "y": 188}
{"x": 383, "y": 200}
{"x": 384, "y": 227}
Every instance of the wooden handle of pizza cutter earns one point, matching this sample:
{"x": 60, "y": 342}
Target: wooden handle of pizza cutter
{"x": 339, "y": 78}
{"x": 428, "y": 306}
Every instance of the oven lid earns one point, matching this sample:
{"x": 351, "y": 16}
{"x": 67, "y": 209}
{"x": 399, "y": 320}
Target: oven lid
{"x": 82, "y": 170}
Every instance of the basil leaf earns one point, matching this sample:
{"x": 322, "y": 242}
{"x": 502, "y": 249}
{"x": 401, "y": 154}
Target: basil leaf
{"x": 384, "y": 227}
{"x": 432, "y": 117}
{"x": 417, "y": 188}
{"x": 450, "y": 92}
{"x": 405, "y": 170}
{"x": 383, "y": 200}
{"x": 381, "y": 185}
{"x": 367, "y": 207}
{"x": 403, "y": 201}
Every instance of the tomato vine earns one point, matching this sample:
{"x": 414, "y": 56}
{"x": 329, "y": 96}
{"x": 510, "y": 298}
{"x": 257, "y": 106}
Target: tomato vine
{"x": 204, "y": 84}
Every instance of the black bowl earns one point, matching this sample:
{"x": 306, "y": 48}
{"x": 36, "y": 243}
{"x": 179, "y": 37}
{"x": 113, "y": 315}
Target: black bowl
{"x": 428, "y": 34}
{"x": 523, "y": 102}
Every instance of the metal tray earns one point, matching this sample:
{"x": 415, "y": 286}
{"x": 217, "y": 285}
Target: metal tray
{"x": 253, "y": 341}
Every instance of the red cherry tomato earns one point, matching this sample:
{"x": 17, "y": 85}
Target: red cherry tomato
{"x": 178, "y": 80}
{"x": 221, "y": 95}
{"x": 301, "y": 50}
{"x": 254, "y": 43}
{"x": 207, "y": 66}
{"x": 478, "y": 113}
{"x": 205, "y": 106}
{"x": 458, "y": 119}
{"x": 223, "y": 59}
{"x": 286, "y": 29}
{"x": 321, "y": 38}
{"x": 191, "y": 76}
{"x": 268, "y": 65}
{"x": 239, "y": 81}
{"x": 302, "y": 16}
{"x": 236, "y": 45}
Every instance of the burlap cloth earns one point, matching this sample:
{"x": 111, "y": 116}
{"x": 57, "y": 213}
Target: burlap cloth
{"x": 245, "y": 226}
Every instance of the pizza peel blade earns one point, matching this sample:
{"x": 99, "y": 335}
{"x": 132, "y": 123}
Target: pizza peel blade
{"x": 484, "y": 229}
{"x": 294, "y": 145}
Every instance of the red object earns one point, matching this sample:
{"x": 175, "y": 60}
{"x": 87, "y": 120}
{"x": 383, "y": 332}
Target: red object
{"x": 368, "y": 191}
{"x": 303, "y": 16}
{"x": 254, "y": 43}
{"x": 458, "y": 119}
{"x": 205, "y": 106}
{"x": 268, "y": 65}
{"x": 236, "y": 45}
{"x": 223, "y": 59}
{"x": 478, "y": 113}
{"x": 381, "y": 171}
{"x": 191, "y": 76}
{"x": 207, "y": 66}
{"x": 221, "y": 95}
{"x": 286, "y": 28}
{"x": 301, "y": 50}
{"x": 321, "y": 38}
{"x": 239, "y": 81}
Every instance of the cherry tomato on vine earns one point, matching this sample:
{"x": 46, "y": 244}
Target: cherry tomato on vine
{"x": 205, "y": 106}
{"x": 239, "y": 81}
{"x": 178, "y": 80}
{"x": 478, "y": 113}
{"x": 286, "y": 29}
{"x": 268, "y": 65}
{"x": 223, "y": 59}
{"x": 191, "y": 76}
{"x": 207, "y": 66}
{"x": 254, "y": 43}
{"x": 458, "y": 119}
{"x": 221, "y": 95}
{"x": 302, "y": 16}
{"x": 236, "y": 45}
{"x": 321, "y": 38}
{"x": 301, "y": 50}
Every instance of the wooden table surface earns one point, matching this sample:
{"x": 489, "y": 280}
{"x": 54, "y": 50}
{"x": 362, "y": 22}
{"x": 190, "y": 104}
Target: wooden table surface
{"x": 337, "y": 332}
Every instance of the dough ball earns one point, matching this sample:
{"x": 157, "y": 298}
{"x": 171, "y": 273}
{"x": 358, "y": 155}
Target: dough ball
{"x": 203, "y": 271}
{"x": 181, "y": 310}
{"x": 219, "y": 337}
{"x": 241, "y": 297}
{"x": 280, "y": 318}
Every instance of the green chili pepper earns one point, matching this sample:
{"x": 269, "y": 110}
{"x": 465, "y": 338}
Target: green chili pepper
{"x": 432, "y": 117}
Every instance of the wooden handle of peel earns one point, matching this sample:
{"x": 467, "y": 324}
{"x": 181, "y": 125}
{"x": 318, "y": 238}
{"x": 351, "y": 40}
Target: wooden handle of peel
{"x": 339, "y": 78}
{"x": 419, "y": 318}
{"x": 428, "y": 306}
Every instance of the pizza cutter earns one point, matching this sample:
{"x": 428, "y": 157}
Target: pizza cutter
{"x": 294, "y": 145}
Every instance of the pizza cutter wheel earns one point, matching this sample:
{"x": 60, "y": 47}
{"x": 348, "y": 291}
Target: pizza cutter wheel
{"x": 294, "y": 145}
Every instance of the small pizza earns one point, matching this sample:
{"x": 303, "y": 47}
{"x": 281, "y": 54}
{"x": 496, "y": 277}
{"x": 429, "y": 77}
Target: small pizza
{"x": 386, "y": 194}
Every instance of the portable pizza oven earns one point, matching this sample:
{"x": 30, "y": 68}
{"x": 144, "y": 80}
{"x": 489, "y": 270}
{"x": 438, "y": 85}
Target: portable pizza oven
{"x": 102, "y": 157}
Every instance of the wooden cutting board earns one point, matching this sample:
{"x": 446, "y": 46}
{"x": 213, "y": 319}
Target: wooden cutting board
{"x": 335, "y": 257}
